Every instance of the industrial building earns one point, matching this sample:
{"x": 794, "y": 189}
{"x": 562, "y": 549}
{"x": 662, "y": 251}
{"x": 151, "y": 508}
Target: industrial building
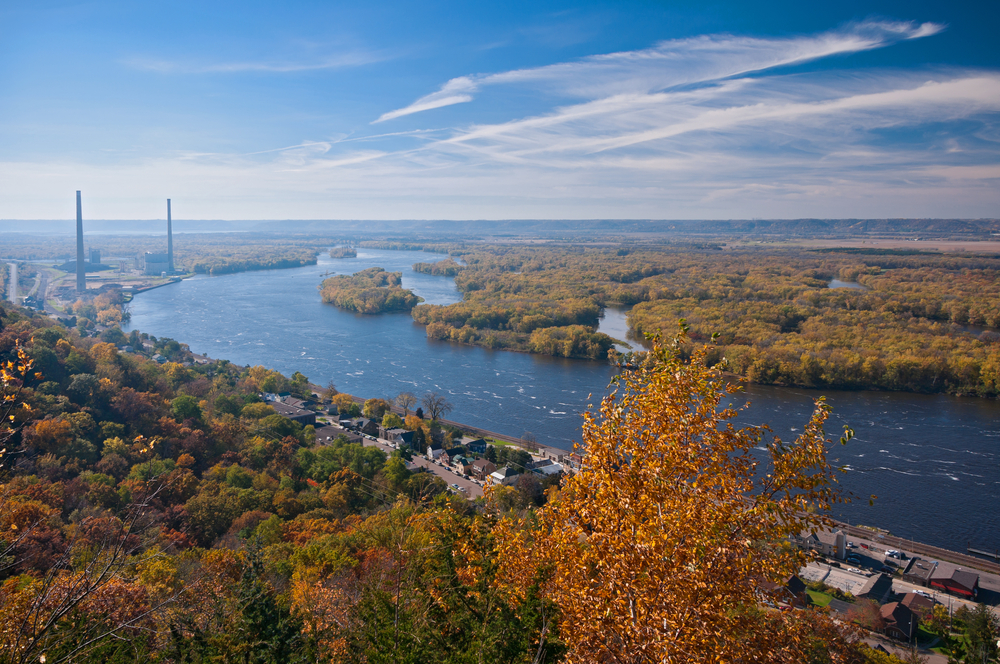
{"x": 155, "y": 264}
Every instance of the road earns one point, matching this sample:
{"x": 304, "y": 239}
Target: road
{"x": 468, "y": 488}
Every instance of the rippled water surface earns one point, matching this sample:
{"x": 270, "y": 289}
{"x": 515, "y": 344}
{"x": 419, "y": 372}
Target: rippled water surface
{"x": 932, "y": 461}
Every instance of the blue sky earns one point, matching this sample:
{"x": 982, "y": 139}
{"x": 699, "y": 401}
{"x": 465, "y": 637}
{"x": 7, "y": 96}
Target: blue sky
{"x": 394, "y": 110}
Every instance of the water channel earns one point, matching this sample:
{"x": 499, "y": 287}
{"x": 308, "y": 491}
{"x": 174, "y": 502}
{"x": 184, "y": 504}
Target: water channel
{"x": 932, "y": 460}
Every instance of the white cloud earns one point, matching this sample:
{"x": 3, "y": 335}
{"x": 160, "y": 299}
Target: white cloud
{"x": 674, "y": 63}
{"x": 334, "y": 61}
{"x": 628, "y": 139}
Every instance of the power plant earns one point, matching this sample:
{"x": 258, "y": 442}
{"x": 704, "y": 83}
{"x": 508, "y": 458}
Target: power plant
{"x": 148, "y": 263}
{"x": 81, "y": 269}
{"x": 170, "y": 242}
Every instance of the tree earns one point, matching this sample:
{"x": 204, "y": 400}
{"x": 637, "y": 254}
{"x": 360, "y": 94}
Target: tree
{"x": 528, "y": 441}
{"x": 331, "y": 392}
{"x": 375, "y": 408}
{"x": 185, "y": 407}
{"x": 659, "y": 549}
{"x": 982, "y": 631}
{"x": 392, "y": 421}
{"x": 419, "y": 412}
{"x": 937, "y": 621}
{"x": 406, "y": 401}
{"x": 866, "y": 613}
{"x": 436, "y": 404}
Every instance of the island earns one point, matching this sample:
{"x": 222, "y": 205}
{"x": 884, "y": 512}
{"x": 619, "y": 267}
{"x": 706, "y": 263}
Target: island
{"x": 371, "y": 291}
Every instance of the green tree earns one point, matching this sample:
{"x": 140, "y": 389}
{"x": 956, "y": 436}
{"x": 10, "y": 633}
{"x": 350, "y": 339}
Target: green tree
{"x": 185, "y": 407}
{"x": 979, "y": 643}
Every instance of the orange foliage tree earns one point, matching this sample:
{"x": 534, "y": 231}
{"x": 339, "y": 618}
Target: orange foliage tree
{"x": 659, "y": 550}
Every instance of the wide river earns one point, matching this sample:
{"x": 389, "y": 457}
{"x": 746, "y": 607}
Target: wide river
{"x": 933, "y": 461}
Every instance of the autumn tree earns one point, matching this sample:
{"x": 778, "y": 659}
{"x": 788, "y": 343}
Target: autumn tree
{"x": 345, "y": 404}
{"x": 406, "y": 401}
{"x": 374, "y": 409}
{"x": 661, "y": 548}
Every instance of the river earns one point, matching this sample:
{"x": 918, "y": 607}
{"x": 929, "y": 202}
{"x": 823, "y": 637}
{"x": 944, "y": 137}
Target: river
{"x": 932, "y": 460}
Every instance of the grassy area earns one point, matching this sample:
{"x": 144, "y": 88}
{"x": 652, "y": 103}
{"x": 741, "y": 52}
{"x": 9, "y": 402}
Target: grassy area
{"x": 819, "y": 598}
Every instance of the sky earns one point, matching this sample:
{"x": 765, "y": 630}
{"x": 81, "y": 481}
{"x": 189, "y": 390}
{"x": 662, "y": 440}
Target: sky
{"x": 516, "y": 110}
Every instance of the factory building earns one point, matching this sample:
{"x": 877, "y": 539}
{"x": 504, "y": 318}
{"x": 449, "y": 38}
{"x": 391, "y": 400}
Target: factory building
{"x": 155, "y": 264}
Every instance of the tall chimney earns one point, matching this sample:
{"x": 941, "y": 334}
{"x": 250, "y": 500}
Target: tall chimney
{"x": 170, "y": 242}
{"x": 81, "y": 272}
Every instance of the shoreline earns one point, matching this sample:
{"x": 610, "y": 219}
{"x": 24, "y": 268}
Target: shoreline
{"x": 881, "y": 535}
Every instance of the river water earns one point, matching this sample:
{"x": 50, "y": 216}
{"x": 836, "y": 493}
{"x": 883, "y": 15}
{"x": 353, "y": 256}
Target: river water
{"x": 932, "y": 460}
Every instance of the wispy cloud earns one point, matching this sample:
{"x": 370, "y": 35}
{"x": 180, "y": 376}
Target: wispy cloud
{"x": 333, "y": 61}
{"x": 674, "y": 63}
{"x": 710, "y": 127}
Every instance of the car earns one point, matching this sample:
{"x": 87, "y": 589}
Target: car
{"x": 854, "y": 559}
{"x": 852, "y": 545}
{"x": 888, "y": 570}
{"x": 834, "y": 564}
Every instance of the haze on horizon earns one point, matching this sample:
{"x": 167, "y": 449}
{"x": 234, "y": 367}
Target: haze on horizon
{"x": 530, "y": 110}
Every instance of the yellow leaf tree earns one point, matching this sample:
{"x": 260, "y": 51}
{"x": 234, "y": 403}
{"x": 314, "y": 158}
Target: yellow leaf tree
{"x": 661, "y": 548}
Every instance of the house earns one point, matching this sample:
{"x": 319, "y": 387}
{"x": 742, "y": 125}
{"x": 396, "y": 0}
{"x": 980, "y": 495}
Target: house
{"x": 918, "y": 603}
{"x": 792, "y": 592}
{"x": 900, "y": 622}
{"x": 955, "y": 580}
{"x": 461, "y": 464}
{"x": 296, "y": 402}
{"x": 452, "y": 453}
{"x": 477, "y": 446}
{"x": 830, "y": 544}
{"x": 546, "y": 467}
{"x": 482, "y": 468}
{"x": 505, "y": 476}
{"x": 401, "y": 437}
{"x": 300, "y": 415}
{"x": 876, "y": 588}
{"x": 364, "y": 425}
{"x": 434, "y": 451}
{"x": 919, "y": 571}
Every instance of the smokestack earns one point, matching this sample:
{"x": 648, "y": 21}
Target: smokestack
{"x": 81, "y": 272}
{"x": 170, "y": 242}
